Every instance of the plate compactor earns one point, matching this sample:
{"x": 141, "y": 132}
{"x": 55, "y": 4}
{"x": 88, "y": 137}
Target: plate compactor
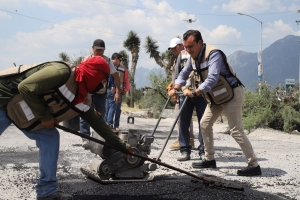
{"x": 113, "y": 166}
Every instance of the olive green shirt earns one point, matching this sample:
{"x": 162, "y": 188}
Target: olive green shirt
{"x": 44, "y": 78}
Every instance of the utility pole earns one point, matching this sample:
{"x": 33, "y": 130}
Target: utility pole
{"x": 259, "y": 54}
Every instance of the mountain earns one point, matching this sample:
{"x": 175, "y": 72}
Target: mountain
{"x": 280, "y": 61}
{"x": 142, "y": 76}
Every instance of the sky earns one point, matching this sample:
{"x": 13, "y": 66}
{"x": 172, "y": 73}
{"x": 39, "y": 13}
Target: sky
{"x": 33, "y": 31}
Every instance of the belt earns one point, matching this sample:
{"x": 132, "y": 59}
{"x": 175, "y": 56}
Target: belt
{"x": 235, "y": 85}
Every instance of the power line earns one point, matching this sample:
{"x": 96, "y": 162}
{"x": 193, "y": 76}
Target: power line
{"x": 89, "y": 29}
{"x": 187, "y": 13}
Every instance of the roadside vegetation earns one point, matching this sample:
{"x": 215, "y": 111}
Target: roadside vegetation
{"x": 263, "y": 108}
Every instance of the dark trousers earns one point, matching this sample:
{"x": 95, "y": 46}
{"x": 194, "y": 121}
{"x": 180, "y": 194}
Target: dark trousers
{"x": 185, "y": 117}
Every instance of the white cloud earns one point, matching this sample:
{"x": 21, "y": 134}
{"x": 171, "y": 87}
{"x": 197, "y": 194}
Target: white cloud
{"x": 87, "y": 7}
{"x": 277, "y": 30}
{"x": 215, "y": 7}
{"x": 223, "y": 36}
{"x": 112, "y": 23}
{"x": 246, "y": 6}
{"x": 4, "y": 16}
{"x": 11, "y": 4}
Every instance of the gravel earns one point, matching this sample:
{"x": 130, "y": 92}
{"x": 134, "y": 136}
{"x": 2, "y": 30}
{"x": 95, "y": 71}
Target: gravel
{"x": 278, "y": 155}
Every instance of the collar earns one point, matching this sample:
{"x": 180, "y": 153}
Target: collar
{"x": 201, "y": 53}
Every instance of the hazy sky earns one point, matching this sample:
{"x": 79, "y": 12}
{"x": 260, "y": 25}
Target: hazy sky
{"x": 38, "y": 30}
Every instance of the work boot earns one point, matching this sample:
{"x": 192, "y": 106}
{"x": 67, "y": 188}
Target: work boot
{"x": 175, "y": 145}
{"x": 56, "y": 196}
{"x": 249, "y": 171}
{"x": 184, "y": 156}
{"x": 205, "y": 164}
{"x": 85, "y": 144}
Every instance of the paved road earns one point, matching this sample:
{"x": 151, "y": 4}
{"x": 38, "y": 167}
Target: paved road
{"x": 278, "y": 156}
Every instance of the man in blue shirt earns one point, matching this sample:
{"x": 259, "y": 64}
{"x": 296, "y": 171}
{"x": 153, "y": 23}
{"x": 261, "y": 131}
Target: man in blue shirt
{"x": 186, "y": 136}
{"x": 222, "y": 89}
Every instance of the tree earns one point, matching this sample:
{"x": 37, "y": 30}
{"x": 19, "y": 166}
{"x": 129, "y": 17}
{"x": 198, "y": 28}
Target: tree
{"x": 125, "y": 58}
{"x": 132, "y": 44}
{"x": 66, "y": 58}
{"x": 156, "y": 94}
{"x": 165, "y": 60}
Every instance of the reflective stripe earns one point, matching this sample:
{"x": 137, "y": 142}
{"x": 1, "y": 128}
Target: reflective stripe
{"x": 27, "y": 111}
{"x": 70, "y": 96}
{"x": 83, "y": 107}
{"x": 121, "y": 69}
{"x": 218, "y": 92}
{"x": 188, "y": 82}
{"x": 66, "y": 92}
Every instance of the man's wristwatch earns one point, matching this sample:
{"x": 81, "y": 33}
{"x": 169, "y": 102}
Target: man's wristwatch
{"x": 194, "y": 93}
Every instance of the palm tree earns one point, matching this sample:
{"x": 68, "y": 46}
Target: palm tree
{"x": 125, "y": 58}
{"x": 64, "y": 57}
{"x": 132, "y": 44}
{"x": 165, "y": 60}
{"x": 75, "y": 61}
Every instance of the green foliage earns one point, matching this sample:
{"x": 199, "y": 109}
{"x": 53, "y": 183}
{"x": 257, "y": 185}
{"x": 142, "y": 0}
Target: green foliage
{"x": 264, "y": 109}
{"x": 167, "y": 56}
{"x": 133, "y": 42}
{"x": 156, "y": 95}
{"x": 125, "y": 58}
{"x": 137, "y": 95}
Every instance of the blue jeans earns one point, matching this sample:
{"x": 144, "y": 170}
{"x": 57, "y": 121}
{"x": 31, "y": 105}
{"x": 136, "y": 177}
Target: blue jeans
{"x": 113, "y": 110}
{"x": 99, "y": 103}
{"x": 185, "y": 119}
{"x": 47, "y": 140}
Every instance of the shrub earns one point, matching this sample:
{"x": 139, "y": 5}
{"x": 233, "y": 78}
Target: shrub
{"x": 264, "y": 109}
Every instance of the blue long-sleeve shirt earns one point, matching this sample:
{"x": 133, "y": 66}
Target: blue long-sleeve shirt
{"x": 216, "y": 66}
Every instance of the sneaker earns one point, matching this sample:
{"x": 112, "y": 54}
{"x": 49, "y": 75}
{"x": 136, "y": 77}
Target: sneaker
{"x": 56, "y": 196}
{"x": 184, "y": 157}
{"x": 85, "y": 144}
{"x": 117, "y": 129}
{"x": 205, "y": 164}
{"x": 175, "y": 145}
{"x": 249, "y": 171}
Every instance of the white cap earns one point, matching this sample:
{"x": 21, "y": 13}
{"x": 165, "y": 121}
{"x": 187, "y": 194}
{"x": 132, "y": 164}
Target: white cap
{"x": 174, "y": 42}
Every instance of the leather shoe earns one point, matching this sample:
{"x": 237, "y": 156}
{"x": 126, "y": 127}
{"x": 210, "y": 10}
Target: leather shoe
{"x": 184, "y": 156}
{"x": 57, "y": 196}
{"x": 249, "y": 171}
{"x": 205, "y": 164}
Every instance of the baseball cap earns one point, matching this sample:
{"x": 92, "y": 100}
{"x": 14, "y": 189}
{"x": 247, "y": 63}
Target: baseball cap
{"x": 174, "y": 42}
{"x": 99, "y": 44}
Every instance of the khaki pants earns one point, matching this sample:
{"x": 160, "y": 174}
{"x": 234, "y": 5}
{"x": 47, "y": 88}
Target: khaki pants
{"x": 233, "y": 112}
